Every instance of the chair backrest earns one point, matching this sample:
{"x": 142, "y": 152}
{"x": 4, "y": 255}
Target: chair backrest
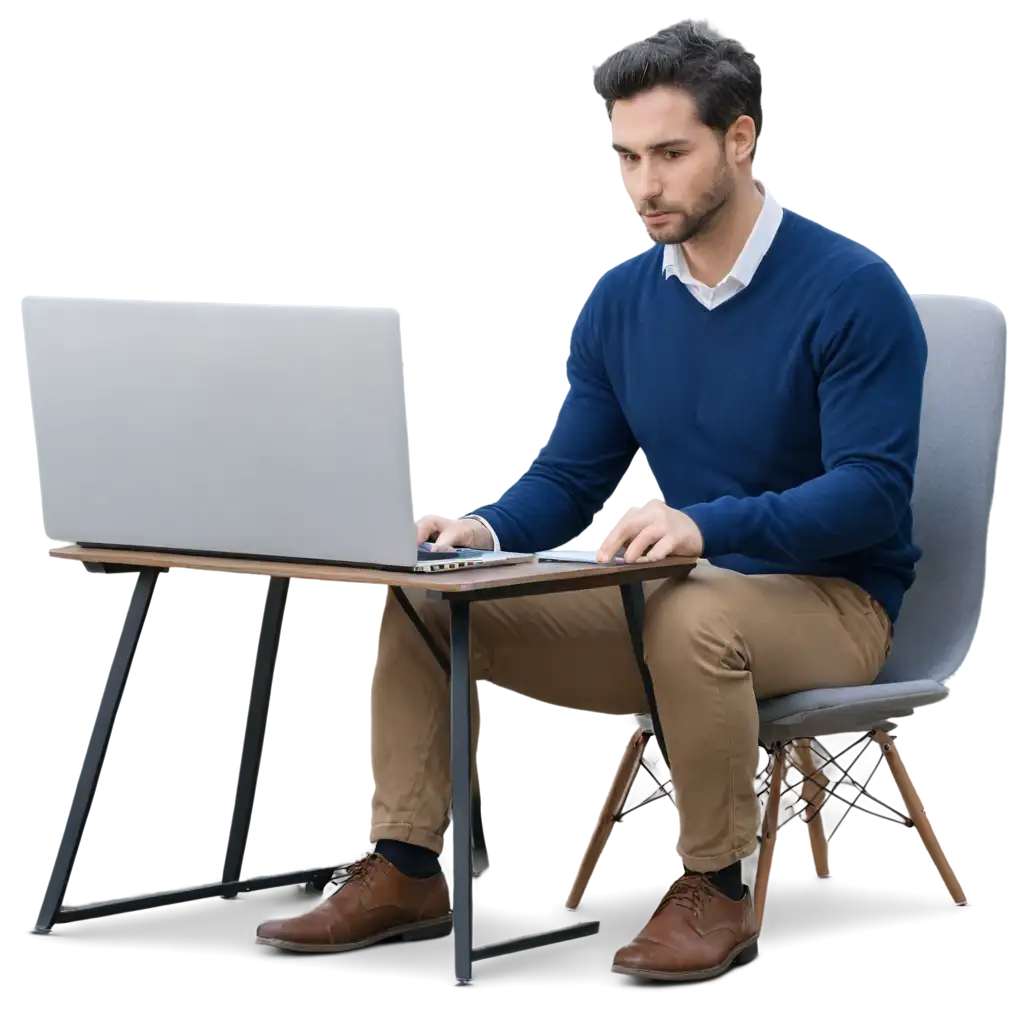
{"x": 961, "y": 421}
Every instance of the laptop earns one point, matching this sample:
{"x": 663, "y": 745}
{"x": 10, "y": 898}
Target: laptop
{"x": 269, "y": 432}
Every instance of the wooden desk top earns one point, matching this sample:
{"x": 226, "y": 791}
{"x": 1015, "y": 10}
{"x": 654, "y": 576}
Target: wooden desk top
{"x": 523, "y": 576}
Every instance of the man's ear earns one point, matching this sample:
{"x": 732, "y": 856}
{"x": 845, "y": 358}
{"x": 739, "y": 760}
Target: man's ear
{"x": 742, "y": 136}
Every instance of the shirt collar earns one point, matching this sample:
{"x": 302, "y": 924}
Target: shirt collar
{"x": 760, "y": 238}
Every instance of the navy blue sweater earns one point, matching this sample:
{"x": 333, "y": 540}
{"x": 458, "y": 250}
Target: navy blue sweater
{"x": 784, "y": 421}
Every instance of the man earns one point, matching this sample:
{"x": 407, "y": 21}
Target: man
{"x": 771, "y": 370}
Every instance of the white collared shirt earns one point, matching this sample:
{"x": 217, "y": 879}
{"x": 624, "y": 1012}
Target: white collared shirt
{"x": 674, "y": 265}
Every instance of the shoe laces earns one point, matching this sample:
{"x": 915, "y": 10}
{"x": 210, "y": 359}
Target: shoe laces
{"x": 691, "y": 892}
{"x": 358, "y": 871}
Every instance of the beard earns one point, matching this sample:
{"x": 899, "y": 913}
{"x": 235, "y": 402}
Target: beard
{"x": 699, "y": 220}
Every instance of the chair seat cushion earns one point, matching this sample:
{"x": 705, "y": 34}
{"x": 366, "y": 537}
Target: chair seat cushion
{"x": 838, "y": 709}
{"x": 843, "y": 709}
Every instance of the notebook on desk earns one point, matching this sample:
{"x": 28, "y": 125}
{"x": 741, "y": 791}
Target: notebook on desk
{"x": 269, "y": 432}
{"x": 590, "y": 557}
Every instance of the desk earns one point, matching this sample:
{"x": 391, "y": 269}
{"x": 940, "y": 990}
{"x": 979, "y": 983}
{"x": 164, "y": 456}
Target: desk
{"x": 460, "y": 589}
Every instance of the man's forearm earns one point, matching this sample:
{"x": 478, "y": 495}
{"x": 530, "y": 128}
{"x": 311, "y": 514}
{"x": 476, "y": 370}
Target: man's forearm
{"x": 848, "y": 509}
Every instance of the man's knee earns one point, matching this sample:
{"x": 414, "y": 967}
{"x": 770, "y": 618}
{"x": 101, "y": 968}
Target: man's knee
{"x": 690, "y": 618}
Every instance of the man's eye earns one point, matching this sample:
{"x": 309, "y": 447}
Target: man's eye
{"x": 672, "y": 153}
{"x": 628, "y": 157}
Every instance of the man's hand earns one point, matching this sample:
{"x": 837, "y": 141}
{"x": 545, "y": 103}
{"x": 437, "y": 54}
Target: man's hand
{"x": 453, "y": 533}
{"x": 653, "y": 532}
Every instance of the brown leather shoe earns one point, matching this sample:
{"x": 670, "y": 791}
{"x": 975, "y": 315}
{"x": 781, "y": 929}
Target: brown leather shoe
{"x": 374, "y": 903}
{"x": 697, "y": 932}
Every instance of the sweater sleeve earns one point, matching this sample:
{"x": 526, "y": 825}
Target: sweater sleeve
{"x": 872, "y": 354}
{"x": 586, "y": 456}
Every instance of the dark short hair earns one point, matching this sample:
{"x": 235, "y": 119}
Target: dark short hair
{"x": 721, "y": 76}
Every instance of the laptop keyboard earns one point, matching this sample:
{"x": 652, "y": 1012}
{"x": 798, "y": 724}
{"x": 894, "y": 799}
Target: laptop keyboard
{"x": 425, "y": 554}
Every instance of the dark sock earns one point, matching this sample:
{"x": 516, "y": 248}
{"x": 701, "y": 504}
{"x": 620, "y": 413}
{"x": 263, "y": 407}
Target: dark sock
{"x": 728, "y": 881}
{"x": 414, "y": 861}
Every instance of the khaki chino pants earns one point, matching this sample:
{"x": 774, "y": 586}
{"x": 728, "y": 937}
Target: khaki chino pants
{"x": 716, "y": 642}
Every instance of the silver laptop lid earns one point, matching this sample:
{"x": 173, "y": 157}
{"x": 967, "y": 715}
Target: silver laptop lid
{"x": 251, "y": 430}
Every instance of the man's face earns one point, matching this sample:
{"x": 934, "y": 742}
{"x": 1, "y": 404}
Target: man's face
{"x": 678, "y": 187}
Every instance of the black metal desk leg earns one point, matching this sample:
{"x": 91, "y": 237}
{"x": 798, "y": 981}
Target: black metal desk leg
{"x": 125, "y": 644}
{"x": 633, "y": 604}
{"x": 461, "y": 770}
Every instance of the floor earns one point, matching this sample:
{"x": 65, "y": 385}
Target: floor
{"x": 880, "y": 929}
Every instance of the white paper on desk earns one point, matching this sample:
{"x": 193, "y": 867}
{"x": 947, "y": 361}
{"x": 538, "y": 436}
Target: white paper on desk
{"x": 574, "y": 556}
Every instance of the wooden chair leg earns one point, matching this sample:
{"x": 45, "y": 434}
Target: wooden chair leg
{"x": 917, "y": 816}
{"x": 813, "y": 792}
{"x": 613, "y": 805}
{"x": 769, "y": 827}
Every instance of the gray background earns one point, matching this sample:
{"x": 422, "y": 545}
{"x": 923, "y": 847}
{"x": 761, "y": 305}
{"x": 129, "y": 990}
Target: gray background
{"x": 276, "y": 150}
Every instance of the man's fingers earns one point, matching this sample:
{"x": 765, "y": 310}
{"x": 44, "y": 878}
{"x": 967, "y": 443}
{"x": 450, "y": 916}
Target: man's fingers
{"x": 426, "y": 528}
{"x": 456, "y": 534}
{"x": 660, "y": 550}
{"x": 445, "y": 540}
{"x": 647, "y": 537}
{"x": 611, "y": 544}
{"x": 439, "y": 529}
{"x": 628, "y": 526}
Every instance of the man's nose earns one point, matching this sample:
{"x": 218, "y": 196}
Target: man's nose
{"x": 650, "y": 185}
